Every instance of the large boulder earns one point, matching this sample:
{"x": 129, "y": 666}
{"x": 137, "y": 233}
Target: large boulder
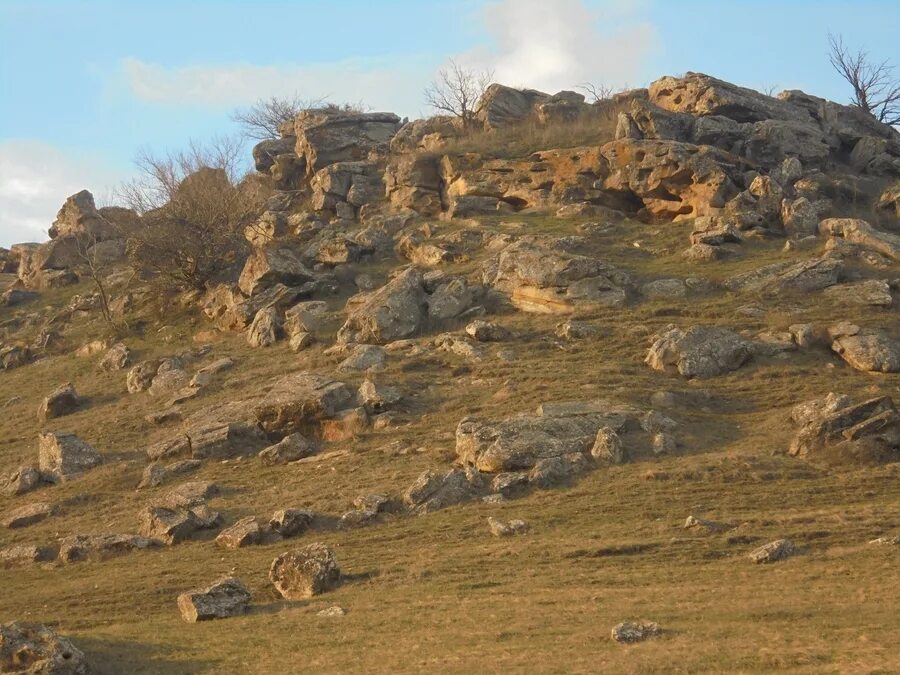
{"x": 394, "y": 311}
{"x": 869, "y": 350}
{"x": 269, "y": 266}
{"x": 541, "y": 279}
{"x": 33, "y": 648}
{"x": 501, "y": 106}
{"x": 221, "y": 599}
{"x": 326, "y": 136}
{"x": 63, "y": 400}
{"x": 265, "y": 152}
{"x": 79, "y": 217}
{"x": 306, "y": 572}
{"x": 804, "y": 276}
{"x": 699, "y": 351}
{"x": 300, "y": 402}
{"x": 64, "y": 456}
{"x": 80, "y": 547}
{"x": 432, "y": 490}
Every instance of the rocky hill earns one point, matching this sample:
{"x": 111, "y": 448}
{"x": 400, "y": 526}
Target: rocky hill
{"x": 513, "y": 397}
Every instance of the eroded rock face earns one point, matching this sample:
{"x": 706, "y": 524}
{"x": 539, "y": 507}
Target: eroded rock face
{"x": 64, "y": 456}
{"x": 221, "y": 599}
{"x": 34, "y": 648}
{"x": 673, "y": 181}
{"x": 870, "y": 351}
{"x": 699, "y": 351}
{"x": 299, "y": 402}
{"x": 836, "y": 428}
{"x": 395, "y": 311}
{"x": 305, "y": 572}
{"x": 540, "y": 279}
{"x": 503, "y": 106}
{"x": 805, "y": 276}
{"x": 272, "y": 265}
{"x": 860, "y": 233}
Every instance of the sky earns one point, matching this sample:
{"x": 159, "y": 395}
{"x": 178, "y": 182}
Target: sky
{"x": 84, "y": 86}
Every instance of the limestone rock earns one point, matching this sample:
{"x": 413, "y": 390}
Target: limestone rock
{"x": 862, "y": 234}
{"x": 433, "y": 491}
{"x": 773, "y": 551}
{"x": 33, "y": 648}
{"x": 174, "y": 525}
{"x": 629, "y": 632}
{"x": 82, "y": 547}
{"x": 24, "y": 479}
{"x": 835, "y": 422}
{"x": 244, "y": 532}
{"x": 305, "y": 572}
{"x": 394, "y": 311}
{"x": 269, "y": 266}
{"x": 289, "y": 449}
{"x": 221, "y": 599}
{"x": 607, "y": 447}
{"x": 116, "y": 358}
{"x": 870, "y": 351}
{"x": 265, "y": 329}
{"x": 28, "y": 515}
{"x": 699, "y": 351}
{"x": 362, "y": 358}
{"x": 291, "y": 522}
{"x": 804, "y": 276}
{"x": 500, "y": 528}
{"x": 26, "y": 554}
{"x": 299, "y": 402}
{"x": 487, "y": 331}
{"x": 61, "y": 401}
{"x": 63, "y": 456}
{"x": 157, "y": 474}
{"x": 867, "y": 293}
{"x": 140, "y": 377}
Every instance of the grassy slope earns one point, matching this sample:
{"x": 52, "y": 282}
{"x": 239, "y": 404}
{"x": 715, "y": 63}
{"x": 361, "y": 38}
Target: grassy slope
{"x": 438, "y": 591}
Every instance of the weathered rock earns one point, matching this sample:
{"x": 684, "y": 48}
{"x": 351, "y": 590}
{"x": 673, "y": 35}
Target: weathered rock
{"x": 291, "y": 522}
{"x": 14, "y": 356}
{"x": 607, "y": 447}
{"x": 693, "y": 523}
{"x": 300, "y": 402}
{"x": 305, "y": 572}
{"x": 171, "y": 377}
{"x": 80, "y": 547}
{"x": 140, "y": 377}
{"x": 806, "y": 412}
{"x": 867, "y": 293}
{"x": 699, "y": 351}
{"x": 327, "y": 136}
{"x": 209, "y": 373}
{"x": 501, "y": 106}
{"x": 805, "y": 276}
{"x": 870, "y": 351}
{"x": 28, "y": 515}
{"x": 377, "y": 397}
{"x": 221, "y": 599}
{"x": 289, "y": 449}
{"x": 116, "y": 358}
{"x": 433, "y": 491}
{"x": 487, "y": 331}
{"x": 629, "y": 632}
{"x": 245, "y": 532}
{"x": 575, "y": 330}
{"x": 773, "y": 551}
{"x": 33, "y": 648}
{"x": 394, "y": 311}
{"x": 26, "y": 554}
{"x": 837, "y": 424}
{"x": 364, "y": 357}
{"x": 265, "y": 329}
{"x": 500, "y": 528}
{"x": 174, "y": 525}
{"x": 551, "y": 472}
{"x": 24, "y": 479}
{"x": 157, "y": 473}
{"x": 272, "y": 265}
{"x": 61, "y": 401}
{"x": 543, "y": 280}
{"x": 305, "y": 317}
{"x": 860, "y": 233}
{"x": 64, "y": 456}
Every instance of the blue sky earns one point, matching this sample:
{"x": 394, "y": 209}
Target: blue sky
{"x": 84, "y": 85}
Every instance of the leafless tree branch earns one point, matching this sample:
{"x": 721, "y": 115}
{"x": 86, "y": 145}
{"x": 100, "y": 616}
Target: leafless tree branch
{"x": 876, "y": 89}
{"x": 457, "y": 91}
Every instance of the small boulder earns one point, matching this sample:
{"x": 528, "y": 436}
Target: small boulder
{"x": 506, "y": 528}
{"x": 33, "y": 648}
{"x": 63, "y": 456}
{"x": 305, "y": 572}
{"x": 116, "y": 358}
{"x": 245, "y": 532}
{"x": 699, "y": 351}
{"x": 63, "y": 400}
{"x": 291, "y": 522}
{"x": 221, "y": 599}
{"x": 630, "y": 631}
{"x": 773, "y": 551}
{"x": 289, "y": 449}
{"x": 28, "y": 515}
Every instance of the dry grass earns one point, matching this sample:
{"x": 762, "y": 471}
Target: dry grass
{"x": 438, "y": 592}
{"x": 521, "y": 140}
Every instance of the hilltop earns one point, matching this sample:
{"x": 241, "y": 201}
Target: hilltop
{"x": 456, "y": 394}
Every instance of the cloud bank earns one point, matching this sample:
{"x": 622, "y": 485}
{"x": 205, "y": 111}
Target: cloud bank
{"x": 35, "y": 179}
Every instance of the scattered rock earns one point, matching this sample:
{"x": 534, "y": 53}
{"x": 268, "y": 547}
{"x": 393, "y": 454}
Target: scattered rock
{"x": 28, "y": 515}
{"x": 629, "y": 631}
{"x": 64, "y": 456}
{"x": 157, "y": 473}
{"x": 245, "y": 532}
{"x": 80, "y": 547}
{"x": 699, "y": 351}
{"x": 221, "y": 599}
{"x": 34, "y": 648}
{"x": 291, "y": 522}
{"x": 116, "y": 358}
{"x": 773, "y": 551}
{"x": 289, "y": 449}
{"x": 332, "y": 612}
{"x": 62, "y": 401}
{"x": 305, "y": 572}
{"x": 500, "y": 528}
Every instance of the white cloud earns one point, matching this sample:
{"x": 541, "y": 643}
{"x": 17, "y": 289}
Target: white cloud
{"x": 558, "y": 45}
{"x": 35, "y": 179}
{"x": 390, "y": 84}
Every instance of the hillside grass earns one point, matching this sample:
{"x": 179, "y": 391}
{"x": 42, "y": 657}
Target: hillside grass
{"x": 437, "y": 592}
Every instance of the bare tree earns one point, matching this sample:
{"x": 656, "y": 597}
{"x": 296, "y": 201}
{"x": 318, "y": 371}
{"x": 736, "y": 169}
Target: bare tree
{"x": 876, "y": 89}
{"x": 458, "y": 90}
{"x": 194, "y": 206}
{"x": 96, "y": 266}
{"x": 262, "y": 119}
{"x": 596, "y": 92}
